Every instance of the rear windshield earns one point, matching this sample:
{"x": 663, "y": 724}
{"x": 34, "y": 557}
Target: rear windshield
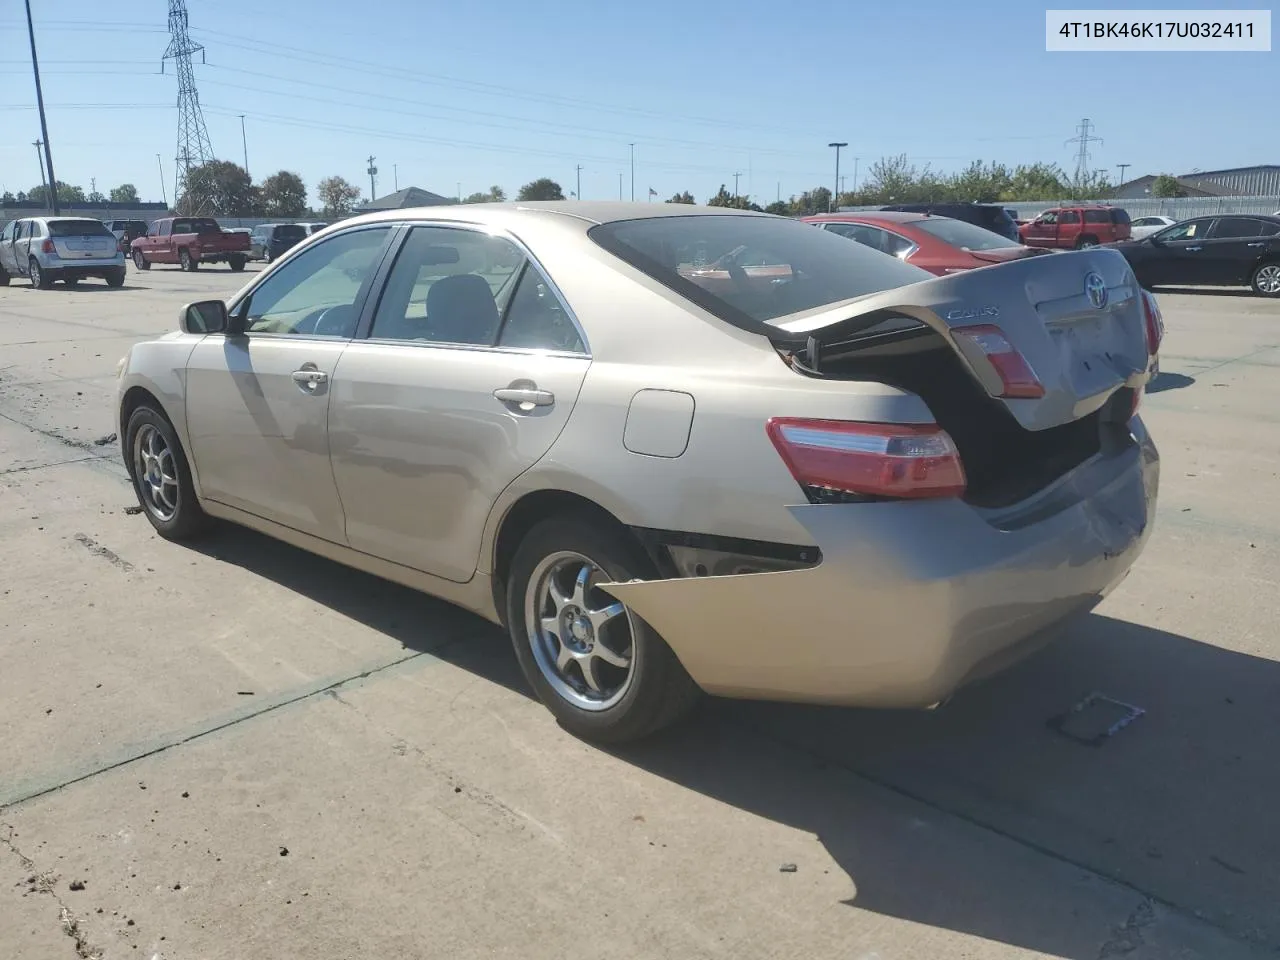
{"x": 292, "y": 231}
{"x": 966, "y": 236}
{"x": 748, "y": 270}
{"x": 1119, "y": 216}
{"x": 78, "y": 228}
{"x": 196, "y": 225}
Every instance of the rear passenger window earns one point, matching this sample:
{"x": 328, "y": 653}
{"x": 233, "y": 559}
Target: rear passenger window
{"x": 1229, "y": 228}
{"x": 1097, "y": 216}
{"x": 1269, "y": 228}
{"x": 537, "y": 320}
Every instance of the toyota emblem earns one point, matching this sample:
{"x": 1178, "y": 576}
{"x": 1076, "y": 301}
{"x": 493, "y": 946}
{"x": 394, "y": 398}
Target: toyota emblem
{"x": 1095, "y": 288}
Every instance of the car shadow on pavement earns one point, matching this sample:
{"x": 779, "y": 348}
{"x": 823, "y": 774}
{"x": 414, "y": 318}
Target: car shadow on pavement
{"x": 1206, "y": 291}
{"x": 1177, "y": 807}
{"x": 1169, "y": 381}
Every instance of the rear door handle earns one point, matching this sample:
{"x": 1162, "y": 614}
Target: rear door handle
{"x": 525, "y": 395}
{"x": 1260, "y": 243}
{"x": 309, "y": 378}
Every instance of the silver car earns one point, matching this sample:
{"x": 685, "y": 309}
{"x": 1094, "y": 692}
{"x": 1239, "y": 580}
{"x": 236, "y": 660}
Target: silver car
{"x": 672, "y": 449}
{"x": 45, "y": 249}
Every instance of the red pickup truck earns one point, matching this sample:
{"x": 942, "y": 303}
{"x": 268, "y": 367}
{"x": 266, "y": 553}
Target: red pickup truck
{"x": 190, "y": 241}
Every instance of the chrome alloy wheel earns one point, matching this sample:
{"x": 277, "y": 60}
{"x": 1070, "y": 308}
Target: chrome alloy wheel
{"x": 582, "y": 639}
{"x": 157, "y": 473}
{"x": 1269, "y": 279}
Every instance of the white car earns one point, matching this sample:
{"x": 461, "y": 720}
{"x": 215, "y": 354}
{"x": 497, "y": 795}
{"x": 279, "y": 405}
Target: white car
{"x": 1146, "y": 226}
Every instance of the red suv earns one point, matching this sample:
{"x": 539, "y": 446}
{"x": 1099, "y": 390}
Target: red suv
{"x": 1074, "y": 227}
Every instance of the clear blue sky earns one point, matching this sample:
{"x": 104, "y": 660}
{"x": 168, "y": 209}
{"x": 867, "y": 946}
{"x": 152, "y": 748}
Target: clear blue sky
{"x": 502, "y": 92}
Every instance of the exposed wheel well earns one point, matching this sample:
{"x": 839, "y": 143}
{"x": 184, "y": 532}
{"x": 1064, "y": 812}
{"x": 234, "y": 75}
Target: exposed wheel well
{"x": 133, "y": 398}
{"x": 531, "y": 509}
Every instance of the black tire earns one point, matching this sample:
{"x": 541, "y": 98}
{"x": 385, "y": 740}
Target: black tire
{"x": 140, "y": 261}
{"x": 4, "y": 277}
{"x": 40, "y": 279}
{"x": 1265, "y": 279}
{"x": 188, "y": 262}
{"x": 71, "y": 281}
{"x": 266, "y": 254}
{"x": 236, "y": 263}
{"x": 115, "y": 278}
{"x": 659, "y": 692}
{"x": 1084, "y": 243}
{"x": 188, "y": 520}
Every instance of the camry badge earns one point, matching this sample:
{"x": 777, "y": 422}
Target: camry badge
{"x": 1095, "y": 288}
{"x": 974, "y": 313}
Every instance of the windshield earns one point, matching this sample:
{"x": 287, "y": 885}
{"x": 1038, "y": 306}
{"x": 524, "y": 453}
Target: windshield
{"x": 965, "y": 236}
{"x": 78, "y": 228}
{"x": 749, "y": 270}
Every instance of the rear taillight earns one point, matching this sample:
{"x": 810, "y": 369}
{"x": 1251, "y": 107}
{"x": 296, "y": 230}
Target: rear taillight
{"x": 832, "y": 459}
{"x": 1017, "y": 379}
{"x": 1153, "y": 321}
{"x": 48, "y": 247}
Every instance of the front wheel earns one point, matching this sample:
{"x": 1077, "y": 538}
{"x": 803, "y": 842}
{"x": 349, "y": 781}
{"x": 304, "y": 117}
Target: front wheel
{"x": 161, "y": 476}
{"x": 140, "y": 261}
{"x": 1084, "y": 243}
{"x": 1266, "y": 280}
{"x": 603, "y": 672}
{"x": 236, "y": 263}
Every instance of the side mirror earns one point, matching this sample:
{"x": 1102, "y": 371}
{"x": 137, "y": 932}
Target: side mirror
{"x": 206, "y": 316}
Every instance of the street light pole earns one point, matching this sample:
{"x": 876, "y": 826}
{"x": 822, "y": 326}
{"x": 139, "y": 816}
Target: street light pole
{"x": 578, "y": 194}
{"x": 735, "y": 185}
{"x": 372, "y": 172}
{"x": 835, "y": 195}
{"x": 244, "y": 141}
{"x": 44, "y": 126}
{"x": 633, "y": 172}
{"x": 619, "y": 187}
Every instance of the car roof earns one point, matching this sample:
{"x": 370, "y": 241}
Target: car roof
{"x": 590, "y": 212}
{"x": 888, "y": 216}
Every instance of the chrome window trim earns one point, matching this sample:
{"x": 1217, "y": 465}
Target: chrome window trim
{"x": 501, "y": 233}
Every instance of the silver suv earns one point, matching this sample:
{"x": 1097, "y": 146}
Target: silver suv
{"x": 45, "y": 249}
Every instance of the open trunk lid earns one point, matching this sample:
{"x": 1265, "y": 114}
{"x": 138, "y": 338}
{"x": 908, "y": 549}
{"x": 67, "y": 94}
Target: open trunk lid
{"x": 1075, "y": 318}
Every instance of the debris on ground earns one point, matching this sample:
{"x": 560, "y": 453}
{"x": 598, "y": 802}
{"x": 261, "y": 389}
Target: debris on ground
{"x": 132, "y": 511}
{"x": 78, "y": 885}
{"x": 787, "y": 868}
{"x": 103, "y": 441}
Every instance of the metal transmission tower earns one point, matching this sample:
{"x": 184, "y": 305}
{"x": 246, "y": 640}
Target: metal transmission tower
{"x": 1083, "y": 138}
{"x": 193, "y": 138}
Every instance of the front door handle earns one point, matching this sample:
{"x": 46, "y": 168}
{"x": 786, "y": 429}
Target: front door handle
{"x": 1191, "y": 249}
{"x": 525, "y": 396}
{"x": 1260, "y": 243}
{"x": 309, "y": 379}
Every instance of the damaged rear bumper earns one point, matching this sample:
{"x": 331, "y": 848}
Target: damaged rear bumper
{"x": 911, "y": 599}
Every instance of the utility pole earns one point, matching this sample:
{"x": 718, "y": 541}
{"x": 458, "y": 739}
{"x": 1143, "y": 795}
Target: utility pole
{"x": 244, "y": 142}
{"x": 633, "y": 172}
{"x": 779, "y": 198}
{"x": 373, "y": 172}
{"x": 44, "y": 181}
{"x": 855, "y": 174}
{"x": 1123, "y": 167}
{"x": 44, "y": 126}
{"x": 735, "y": 185}
{"x": 835, "y": 196}
{"x": 163, "y": 195}
{"x": 578, "y": 192}
{"x": 619, "y": 187}
{"x": 1083, "y": 138}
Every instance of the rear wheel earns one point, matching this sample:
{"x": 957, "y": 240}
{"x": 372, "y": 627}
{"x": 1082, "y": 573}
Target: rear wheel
{"x": 39, "y": 278}
{"x": 266, "y": 254}
{"x": 602, "y": 671}
{"x": 161, "y": 476}
{"x": 4, "y": 276}
{"x": 236, "y": 263}
{"x": 1084, "y": 243}
{"x": 116, "y": 278}
{"x": 188, "y": 262}
{"x": 1266, "y": 280}
{"x": 140, "y": 261}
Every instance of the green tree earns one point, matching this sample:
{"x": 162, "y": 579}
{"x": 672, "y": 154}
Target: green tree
{"x": 8, "y": 198}
{"x": 684, "y": 197}
{"x": 1167, "y": 186}
{"x": 284, "y": 195}
{"x": 724, "y": 198}
{"x": 125, "y": 193}
{"x": 1037, "y": 181}
{"x": 495, "y": 194}
{"x": 337, "y": 196}
{"x": 544, "y": 188}
{"x": 96, "y": 197}
{"x": 218, "y": 188}
{"x": 66, "y": 194}
{"x": 817, "y": 200}
{"x": 781, "y": 207}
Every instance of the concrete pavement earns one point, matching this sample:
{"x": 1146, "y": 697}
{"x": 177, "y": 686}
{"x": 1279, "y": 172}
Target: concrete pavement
{"x": 240, "y": 749}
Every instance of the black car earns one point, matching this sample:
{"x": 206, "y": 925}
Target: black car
{"x": 269, "y": 240}
{"x": 1227, "y": 251}
{"x": 991, "y": 216}
{"x": 126, "y": 231}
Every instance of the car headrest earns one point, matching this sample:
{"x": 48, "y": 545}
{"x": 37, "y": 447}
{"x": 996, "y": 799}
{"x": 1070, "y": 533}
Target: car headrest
{"x": 460, "y": 309}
